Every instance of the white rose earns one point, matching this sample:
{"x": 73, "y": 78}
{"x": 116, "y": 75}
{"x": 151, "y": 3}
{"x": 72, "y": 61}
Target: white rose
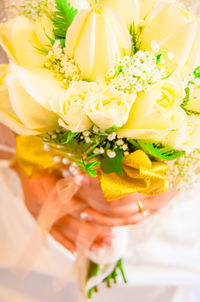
{"x": 188, "y": 137}
{"x": 107, "y": 107}
{"x": 70, "y": 106}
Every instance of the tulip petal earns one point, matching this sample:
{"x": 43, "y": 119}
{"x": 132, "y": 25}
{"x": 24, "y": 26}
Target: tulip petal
{"x": 6, "y": 39}
{"x": 129, "y": 13}
{"x": 31, "y": 114}
{"x": 9, "y": 118}
{"x": 180, "y": 44}
{"x": 25, "y": 43}
{"x": 19, "y": 40}
{"x": 39, "y": 83}
{"x": 194, "y": 56}
{"x": 163, "y": 21}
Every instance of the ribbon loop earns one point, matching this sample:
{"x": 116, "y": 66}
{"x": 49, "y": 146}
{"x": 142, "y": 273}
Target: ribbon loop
{"x": 141, "y": 176}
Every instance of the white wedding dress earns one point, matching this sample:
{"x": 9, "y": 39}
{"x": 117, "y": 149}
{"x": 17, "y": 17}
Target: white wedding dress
{"x": 162, "y": 261}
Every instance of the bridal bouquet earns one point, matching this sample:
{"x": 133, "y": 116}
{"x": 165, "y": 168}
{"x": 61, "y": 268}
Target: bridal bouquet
{"x": 108, "y": 88}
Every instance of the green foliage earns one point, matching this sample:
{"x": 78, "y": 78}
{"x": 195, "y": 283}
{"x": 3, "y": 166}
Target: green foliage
{"x": 94, "y": 269}
{"x": 112, "y": 165}
{"x": 112, "y": 129}
{"x": 158, "y": 58}
{"x": 187, "y": 100}
{"x": 70, "y": 136}
{"x": 157, "y": 151}
{"x": 197, "y": 72}
{"x": 135, "y": 38}
{"x": 88, "y": 167}
{"x": 64, "y": 15}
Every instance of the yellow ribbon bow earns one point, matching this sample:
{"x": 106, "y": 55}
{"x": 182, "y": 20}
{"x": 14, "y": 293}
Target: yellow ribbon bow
{"x": 141, "y": 175}
{"x": 32, "y": 157}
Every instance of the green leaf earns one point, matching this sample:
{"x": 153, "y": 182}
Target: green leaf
{"x": 136, "y": 42}
{"x": 197, "y": 72}
{"x": 63, "y": 18}
{"x": 112, "y": 129}
{"x": 70, "y": 136}
{"x": 158, "y": 58}
{"x": 92, "y": 156}
{"x": 93, "y": 164}
{"x": 186, "y": 99}
{"x": 52, "y": 41}
{"x": 43, "y": 50}
{"x": 191, "y": 112}
{"x": 112, "y": 165}
{"x": 158, "y": 151}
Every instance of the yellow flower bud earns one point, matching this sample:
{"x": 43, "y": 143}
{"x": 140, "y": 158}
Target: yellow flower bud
{"x": 129, "y": 12}
{"x": 94, "y": 38}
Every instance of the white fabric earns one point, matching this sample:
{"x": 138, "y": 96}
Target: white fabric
{"x": 165, "y": 250}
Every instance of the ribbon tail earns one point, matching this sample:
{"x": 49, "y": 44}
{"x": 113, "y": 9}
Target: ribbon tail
{"x": 60, "y": 196}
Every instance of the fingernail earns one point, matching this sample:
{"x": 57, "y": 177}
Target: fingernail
{"x": 108, "y": 241}
{"x": 79, "y": 179}
{"x": 146, "y": 213}
{"x": 98, "y": 250}
{"x": 86, "y": 217}
{"x": 74, "y": 253}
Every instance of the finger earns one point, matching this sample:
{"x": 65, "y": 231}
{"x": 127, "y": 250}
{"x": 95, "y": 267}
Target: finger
{"x": 68, "y": 244}
{"x": 101, "y": 219}
{"x": 84, "y": 233}
{"x": 157, "y": 202}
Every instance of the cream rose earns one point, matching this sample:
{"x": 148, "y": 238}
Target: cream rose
{"x": 107, "y": 107}
{"x": 70, "y": 106}
{"x": 24, "y": 97}
{"x": 187, "y": 137}
{"x": 156, "y": 112}
{"x": 22, "y": 38}
{"x": 94, "y": 38}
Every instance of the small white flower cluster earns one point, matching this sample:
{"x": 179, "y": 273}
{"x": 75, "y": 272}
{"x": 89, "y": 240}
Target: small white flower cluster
{"x": 135, "y": 73}
{"x": 183, "y": 173}
{"x": 64, "y": 68}
{"x": 117, "y": 142}
{"x": 71, "y": 168}
{"x": 31, "y": 8}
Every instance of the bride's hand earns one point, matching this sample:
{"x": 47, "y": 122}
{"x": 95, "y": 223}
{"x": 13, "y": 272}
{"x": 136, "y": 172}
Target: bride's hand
{"x": 69, "y": 230}
{"x": 124, "y": 211}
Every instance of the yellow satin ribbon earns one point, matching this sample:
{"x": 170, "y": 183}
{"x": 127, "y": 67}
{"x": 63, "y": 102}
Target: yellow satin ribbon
{"x": 32, "y": 157}
{"x": 141, "y": 175}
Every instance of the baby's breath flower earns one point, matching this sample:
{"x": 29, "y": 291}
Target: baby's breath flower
{"x": 170, "y": 55}
{"x": 64, "y": 68}
{"x": 120, "y": 142}
{"x": 135, "y": 73}
{"x": 46, "y": 147}
{"x": 87, "y": 139}
{"x": 86, "y": 133}
{"x": 112, "y": 136}
{"x": 57, "y": 159}
{"x": 155, "y": 46}
{"x": 95, "y": 129}
{"x": 111, "y": 154}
